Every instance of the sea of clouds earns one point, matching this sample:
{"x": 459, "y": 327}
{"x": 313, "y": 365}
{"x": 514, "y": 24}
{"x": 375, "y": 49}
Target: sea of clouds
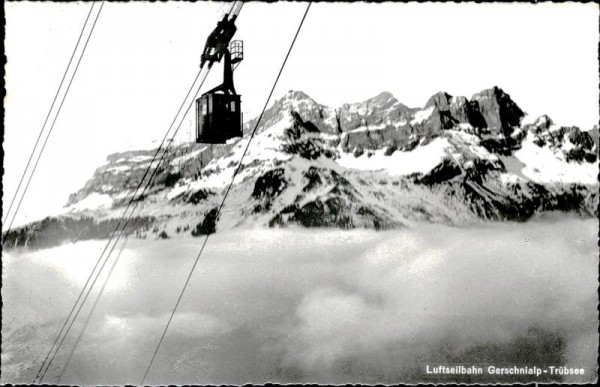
{"x": 326, "y": 306}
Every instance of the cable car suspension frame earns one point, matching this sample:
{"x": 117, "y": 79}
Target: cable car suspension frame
{"x": 218, "y": 111}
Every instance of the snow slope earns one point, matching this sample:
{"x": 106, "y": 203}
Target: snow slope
{"x": 543, "y": 165}
{"x": 375, "y": 164}
{"x": 420, "y": 160}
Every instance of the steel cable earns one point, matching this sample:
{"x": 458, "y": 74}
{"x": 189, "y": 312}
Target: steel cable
{"x": 120, "y": 234}
{"x": 48, "y": 115}
{"x": 116, "y": 230}
{"x": 223, "y": 201}
{"x": 51, "y": 126}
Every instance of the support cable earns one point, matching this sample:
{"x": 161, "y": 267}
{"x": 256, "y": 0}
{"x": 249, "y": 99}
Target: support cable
{"x": 89, "y": 317}
{"x": 115, "y": 231}
{"x": 223, "y": 201}
{"x": 48, "y": 115}
{"x": 235, "y": 6}
{"x": 117, "y": 227}
{"x": 53, "y": 121}
{"x": 148, "y": 184}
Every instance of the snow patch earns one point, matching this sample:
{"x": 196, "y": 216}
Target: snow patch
{"x": 467, "y": 141}
{"x": 545, "y": 166}
{"x": 134, "y": 159}
{"x": 529, "y": 120}
{"x": 422, "y": 115}
{"x": 178, "y": 190}
{"x": 367, "y": 128}
{"x": 567, "y": 144}
{"x": 119, "y": 168}
{"x": 465, "y": 126}
{"x": 93, "y": 201}
{"x": 509, "y": 178}
{"x": 420, "y": 160}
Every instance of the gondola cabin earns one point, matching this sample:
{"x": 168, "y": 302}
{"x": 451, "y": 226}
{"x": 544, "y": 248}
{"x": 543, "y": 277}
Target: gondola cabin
{"x": 218, "y": 117}
{"x": 219, "y": 111}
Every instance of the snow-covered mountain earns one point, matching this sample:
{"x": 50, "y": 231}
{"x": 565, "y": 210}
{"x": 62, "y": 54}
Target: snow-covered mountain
{"x": 376, "y": 164}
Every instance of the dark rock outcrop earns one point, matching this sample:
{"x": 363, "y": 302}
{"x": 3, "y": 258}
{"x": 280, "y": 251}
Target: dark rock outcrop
{"x": 51, "y": 232}
{"x": 594, "y": 135}
{"x": 500, "y": 112}
{"x": 444, "y": 172}
{"x": 208, "y": 225}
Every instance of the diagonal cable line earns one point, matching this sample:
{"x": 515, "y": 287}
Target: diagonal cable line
{"x": 117, "y": 227}
{"x": 148, "y": 184}
{"x": 89, "y": 318}
{"x": 115, "y": 231}
{"x": 170, "y": 142}
{"x": 223, "y": 201}
{"x": 137, "y": 201}
{"x": 121, "y": 219}
{"x": 46, "y": 358}
{"x": 48, "y": 115}
{"x": 54, "y": 121}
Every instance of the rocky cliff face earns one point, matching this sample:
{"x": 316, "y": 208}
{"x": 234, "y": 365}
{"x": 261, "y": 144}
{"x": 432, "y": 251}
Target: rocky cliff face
{"x": 376, "y": 164}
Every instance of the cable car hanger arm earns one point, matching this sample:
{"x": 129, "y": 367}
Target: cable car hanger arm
{"x": 219, "y": 39}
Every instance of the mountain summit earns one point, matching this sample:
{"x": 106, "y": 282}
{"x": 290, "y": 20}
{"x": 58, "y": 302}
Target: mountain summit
{"x": 376, "y": 164}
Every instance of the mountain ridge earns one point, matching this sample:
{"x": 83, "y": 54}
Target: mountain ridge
{"x": 376, "y": 164}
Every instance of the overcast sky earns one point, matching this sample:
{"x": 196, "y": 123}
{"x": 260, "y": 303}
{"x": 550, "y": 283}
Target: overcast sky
{"x": 143, "y": 56}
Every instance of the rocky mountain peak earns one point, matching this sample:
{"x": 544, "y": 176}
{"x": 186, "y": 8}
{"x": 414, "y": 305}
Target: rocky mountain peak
{"x": 543, "y": 122}
{"x": 500, "y": 113}
{"x": 292, "y": 101}
{"x": 494, "y": 92}
{"x": 383, "y": 99}
{"x": 295, "y": 99}
{"x": 383, "y": 121}
{"x": 440, "y": 100}
{"x": 296, "y": 95}
{"x": 385, "y": 95}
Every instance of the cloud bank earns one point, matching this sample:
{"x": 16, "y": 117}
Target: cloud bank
{"x": 323, "y": 306}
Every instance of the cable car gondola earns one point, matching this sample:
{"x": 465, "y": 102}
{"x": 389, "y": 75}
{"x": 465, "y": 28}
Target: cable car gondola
{"x": 219, "y": 110}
